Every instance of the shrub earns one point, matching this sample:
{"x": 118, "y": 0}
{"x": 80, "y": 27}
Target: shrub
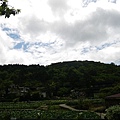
{"x": 5, "y": 116}
{"x": 83, "y": 104}
{"x": 72, "y": 102}
{"x": 88, "y": 115}
{"x": 113, "y": 113}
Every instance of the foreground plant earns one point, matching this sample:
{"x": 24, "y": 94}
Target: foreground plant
{"x": 88, "y": 115}
{"x": 113, "y": 113}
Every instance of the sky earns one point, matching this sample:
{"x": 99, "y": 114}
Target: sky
{"x": 50, "y": 31}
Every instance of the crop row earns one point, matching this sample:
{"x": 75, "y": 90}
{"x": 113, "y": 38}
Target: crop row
{"x": 20, "y": 105}
{"x": 30, "y": 114}
{"x": 29, "y": 105}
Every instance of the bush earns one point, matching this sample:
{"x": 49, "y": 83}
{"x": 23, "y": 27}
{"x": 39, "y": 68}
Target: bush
{"x": 83, "y": 104}
{"x": 88, "y": 115}
{"x": 72, "y": 102}
{"x": 113, "y": 113}
{"x": 5, "y": 116}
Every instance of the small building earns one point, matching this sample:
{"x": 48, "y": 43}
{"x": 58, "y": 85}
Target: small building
{"x": 112, "y": 100}
{"x": 44, "y": 94}
{"x": 17, "y": 89}
{"x": 76, "y": 93}
{"x": 23, "y": 89}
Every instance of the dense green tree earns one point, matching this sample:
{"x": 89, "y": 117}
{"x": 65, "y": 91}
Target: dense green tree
{"x": 61, "y": 78}
{"x": 6, "y": 10}
{"x": 63, "y": 91}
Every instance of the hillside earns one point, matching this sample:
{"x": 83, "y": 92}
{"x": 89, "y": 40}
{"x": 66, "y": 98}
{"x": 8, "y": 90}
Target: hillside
{"x": 61, "y": 78}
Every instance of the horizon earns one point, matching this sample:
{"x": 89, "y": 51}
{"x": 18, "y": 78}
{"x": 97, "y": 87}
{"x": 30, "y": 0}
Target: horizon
{"x": 60, "y": 63}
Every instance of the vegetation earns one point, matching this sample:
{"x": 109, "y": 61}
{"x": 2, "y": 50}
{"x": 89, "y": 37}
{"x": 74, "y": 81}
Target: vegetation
{"x": 73, "y": 79}
{"x": 34, "y": 110}
{"x": 113, "y": 113}
{"x": 96, "y": 105}
{"x": 79, "y": 84}
{"x": 88, "y": 115}
{"x": 6, "y": 10}
{"x": 30, "y": 114}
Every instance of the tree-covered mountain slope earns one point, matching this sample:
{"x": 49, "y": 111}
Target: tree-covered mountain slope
{"x": 60, "y": 78}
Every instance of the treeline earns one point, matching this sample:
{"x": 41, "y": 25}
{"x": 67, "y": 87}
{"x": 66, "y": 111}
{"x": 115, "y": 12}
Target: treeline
{"x": 60, "y": 78}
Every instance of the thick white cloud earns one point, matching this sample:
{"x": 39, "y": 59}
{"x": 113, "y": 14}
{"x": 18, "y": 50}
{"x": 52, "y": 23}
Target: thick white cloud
{"x": 48, "y": 31}
{"x": 58, "y": 7}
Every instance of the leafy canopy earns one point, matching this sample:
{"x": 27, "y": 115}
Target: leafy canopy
{"x": 7, "y": 10}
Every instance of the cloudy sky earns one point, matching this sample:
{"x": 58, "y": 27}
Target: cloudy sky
{"x": 50, "y": 31}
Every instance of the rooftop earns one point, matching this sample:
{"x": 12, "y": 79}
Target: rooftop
{"x": 114, "y": 96}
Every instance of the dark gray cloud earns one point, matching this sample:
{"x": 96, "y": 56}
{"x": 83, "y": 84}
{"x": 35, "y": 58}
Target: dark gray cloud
{"x": 94, "y": 29}
{"x": 109, "y": 18}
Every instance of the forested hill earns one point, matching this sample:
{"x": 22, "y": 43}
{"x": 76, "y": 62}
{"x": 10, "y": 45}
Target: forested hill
{"x": 61, "y": 78}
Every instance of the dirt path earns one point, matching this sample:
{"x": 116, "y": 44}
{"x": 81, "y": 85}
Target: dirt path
{"x": 102, "y": 115}
{"x": 70, "y": 108}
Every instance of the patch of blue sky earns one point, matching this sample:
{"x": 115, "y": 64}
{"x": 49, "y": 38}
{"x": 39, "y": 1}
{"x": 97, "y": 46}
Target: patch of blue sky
{"x": 41, "y": 44}
{"x": 21, "y": 45}
{"x": 45, "y": 44}
{"x": 100, "y": 47}
{"x": 6, "y": 29}
{"x": 86, "y": 49}
{"x": 106, "y": 45}
{"x": 14, "y": 35}
{"x": 25, "y": 46}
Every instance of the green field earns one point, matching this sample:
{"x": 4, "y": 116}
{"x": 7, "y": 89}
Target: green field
{"x": 47, "y": 109}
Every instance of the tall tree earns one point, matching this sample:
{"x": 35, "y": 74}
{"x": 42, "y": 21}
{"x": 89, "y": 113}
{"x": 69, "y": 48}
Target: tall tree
{"x": 7, "y": 10}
